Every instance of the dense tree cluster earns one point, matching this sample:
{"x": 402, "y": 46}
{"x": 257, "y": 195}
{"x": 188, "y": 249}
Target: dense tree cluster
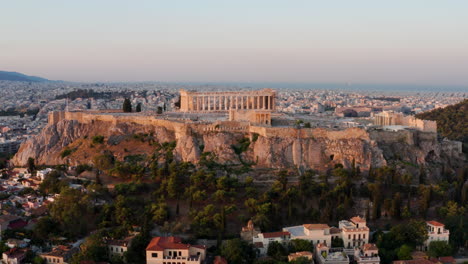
{"x": 452, "y": 121}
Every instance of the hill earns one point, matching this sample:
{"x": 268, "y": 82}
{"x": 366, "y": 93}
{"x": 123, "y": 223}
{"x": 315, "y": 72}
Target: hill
{"x": 452, "y": 121}
{"x": 19, "y": 77}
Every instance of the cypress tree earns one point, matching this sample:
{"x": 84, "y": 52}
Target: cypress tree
{"x": 127, "y": 106}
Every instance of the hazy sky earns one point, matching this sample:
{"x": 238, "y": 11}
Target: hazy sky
{"x": 359, "y": 41}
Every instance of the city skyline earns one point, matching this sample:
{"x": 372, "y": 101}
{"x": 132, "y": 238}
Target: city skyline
{"x": 421, "y": 42}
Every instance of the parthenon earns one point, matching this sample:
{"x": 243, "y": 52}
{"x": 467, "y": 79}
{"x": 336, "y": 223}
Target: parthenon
{"x": 191, "y": 101}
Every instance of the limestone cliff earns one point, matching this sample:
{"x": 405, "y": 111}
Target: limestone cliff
{"x": 269, "y": 147}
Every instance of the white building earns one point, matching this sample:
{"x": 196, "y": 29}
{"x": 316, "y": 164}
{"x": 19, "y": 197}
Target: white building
{"x": 262, "y": 240}
{"x": 436, "y": 232}
{"x": 325, "y": 255}
{"x": 367, "y": 254}
{"x": 355, "y": 232}
{"x": 120, "y": 246}
{"x": 171, "y": 250}
{"x": 317, "y": 233}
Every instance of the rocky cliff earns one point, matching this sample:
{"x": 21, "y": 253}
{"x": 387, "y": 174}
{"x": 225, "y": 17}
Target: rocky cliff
{"x": 269, "y": 147}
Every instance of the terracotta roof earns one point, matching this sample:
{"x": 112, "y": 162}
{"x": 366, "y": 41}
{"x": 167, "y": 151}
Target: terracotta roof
{"x": 358, "y": 219}
{"x": 434, "y": 223}
{"x": 418, "y": 255}
{"x": 161, "y": 243}
{"x": 301, "y": 254}
{"x": 120, "y": 242}
{"x": 258, "y": 245}
{"x": 321, "y": 245}
{"x": 276, "y": 234}
{"x": 445, "y": 260}
{"x": 61, "y": 252}
{"x": 15, "y": 253}
{"x": 316, "y": 226}
{"x": 220, "y": 260}
{"x": 369, "y": 246}
{"x": 19, "y": 223}
{"x": 335, "y": 230}
{"x": 413, "y": 261}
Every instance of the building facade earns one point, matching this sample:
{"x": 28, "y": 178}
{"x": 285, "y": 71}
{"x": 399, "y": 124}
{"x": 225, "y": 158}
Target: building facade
{"x": 59, "y": 255}
{"x": 354, "y": 232}
{"x": 262, "y": 240}
{"x": 171, "y": 250}
{"x": 119, "y": 246}
{"x": 191, "y": 101}
{"x": 389, "y": 118}
{"x": 436, "y": 232}
{"x": 367, "y": 254}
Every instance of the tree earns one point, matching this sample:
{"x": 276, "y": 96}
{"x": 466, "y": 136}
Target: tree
{"x": 301, "y": 260}
{"x": 404, "y": 252}
{"x": 138, "y": 107}
{"x": 127, "y": 106}
{"x": 276, "y": 250}
{"x": 69, "y": 210}
{"x": 413, "y": 233}
{"x": 44, "y": 228}
{"x": 237, "y": 251}
{"x": 439, "y": 249}
{"x": 298, "y": 245}
{"x": 136, "y": 252}
{"x": 337, "y": 242}
{"x": 31, "y": 164}
{"x": 92, "y": 249}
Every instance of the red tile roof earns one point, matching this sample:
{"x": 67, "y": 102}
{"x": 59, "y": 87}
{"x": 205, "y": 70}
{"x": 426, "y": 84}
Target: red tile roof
{"x": 316, "y": 226}
{"x": 358, "y": 219}
{"x": 413, "y": 261}
{"x": 161, "y": 243}
{"x": 434, "y": 223}
{"x": 220, "y": 260}
{"x": 276, "y": 234}
{"x": 20, "y": 223}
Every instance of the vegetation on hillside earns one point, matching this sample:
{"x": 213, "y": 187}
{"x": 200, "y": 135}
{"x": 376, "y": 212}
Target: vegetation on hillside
{"x": 452, "y": 121}
{"x": 210, "y": 200}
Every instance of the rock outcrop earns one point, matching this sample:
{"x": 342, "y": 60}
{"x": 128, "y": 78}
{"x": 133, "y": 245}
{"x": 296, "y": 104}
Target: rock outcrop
{"x": 276, "y": 148}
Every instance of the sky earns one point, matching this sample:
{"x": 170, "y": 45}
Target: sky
{"x": 328, "y": 41}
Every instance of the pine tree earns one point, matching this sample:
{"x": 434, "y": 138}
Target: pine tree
{"x": 138, "y": 107}
{"x": 127, "y": 106}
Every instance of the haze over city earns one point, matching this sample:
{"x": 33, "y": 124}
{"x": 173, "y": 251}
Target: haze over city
{"x": 381, "y": 42}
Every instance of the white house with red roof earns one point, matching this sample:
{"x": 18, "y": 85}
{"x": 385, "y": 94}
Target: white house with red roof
{"x": 354, "y": 232}
{"x": 367, "y": 254}
{"x": 436, "y": 232}
{"x": 262, "y": 240}
{"x": 171, "y": 250}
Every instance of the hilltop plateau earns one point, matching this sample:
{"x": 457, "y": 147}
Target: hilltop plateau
{"x": 237, "y": 146}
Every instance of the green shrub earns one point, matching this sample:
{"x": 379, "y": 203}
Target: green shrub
{"x": 66, "y": 152}
{"x": 98, "y": 139}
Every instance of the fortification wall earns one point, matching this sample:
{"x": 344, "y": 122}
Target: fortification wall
{"x": 202, "y": 127}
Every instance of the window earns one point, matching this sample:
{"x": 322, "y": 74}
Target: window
{"x": 349, "y": 237}
{"x": 359, "y": 236}
{"x": 112, "y": 249}
{"x": 180, "y": 253}
{"x": 154, "y": 255}
{"x": 363, "y": 236}
{"x": 121, "y": 249}
{"x": 354, "y": 236}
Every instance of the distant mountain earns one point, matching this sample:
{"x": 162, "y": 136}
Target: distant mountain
{"x": 19, "y": 77}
